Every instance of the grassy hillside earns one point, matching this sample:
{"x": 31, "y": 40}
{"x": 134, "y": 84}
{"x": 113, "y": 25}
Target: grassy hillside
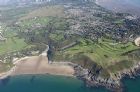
{"x": 12, "y": 44}
{"x": 73, "y": 38}
{"x": 54, "y": 11}
{"x": 105, "y": 53}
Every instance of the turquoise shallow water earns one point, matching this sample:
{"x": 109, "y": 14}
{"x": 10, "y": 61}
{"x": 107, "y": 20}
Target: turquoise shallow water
{"x": 45, "y": 83}
{"x": 48, "y": 83}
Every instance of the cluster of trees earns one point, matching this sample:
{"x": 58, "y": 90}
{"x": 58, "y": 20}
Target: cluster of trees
{"x": 53, "y": 34}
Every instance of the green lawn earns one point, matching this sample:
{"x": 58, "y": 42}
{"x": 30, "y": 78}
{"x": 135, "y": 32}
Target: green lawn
{"x": 12, "y": 44}
{"x": 104, "y": 53}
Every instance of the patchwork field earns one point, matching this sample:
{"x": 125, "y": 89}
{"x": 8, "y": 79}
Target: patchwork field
{"x": 69, "y": 37}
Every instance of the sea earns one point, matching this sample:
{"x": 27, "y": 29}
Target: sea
{"x": 126, "y": 6}
{"x": 45, "y": 83}
{"x": 51, "y": 83}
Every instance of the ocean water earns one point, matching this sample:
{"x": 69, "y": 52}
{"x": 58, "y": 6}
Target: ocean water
{"x": 127, "y": 6}
{"x": 49, "y": 83}
{"x": 131, "y": 85}
{"x": 45, "y": 83}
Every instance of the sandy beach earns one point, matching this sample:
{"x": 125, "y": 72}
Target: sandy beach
{"x": 39, "y": 65}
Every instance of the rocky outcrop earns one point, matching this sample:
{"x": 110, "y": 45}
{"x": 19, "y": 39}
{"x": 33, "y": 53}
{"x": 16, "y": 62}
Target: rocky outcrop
{"x": 111, "y": 83}
{"x": 137, "y": 41}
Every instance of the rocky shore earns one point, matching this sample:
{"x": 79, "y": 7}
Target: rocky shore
{"x": 91, "y": 80}
{"x": 113, "y": 84}
{"x": 41, "y": 65}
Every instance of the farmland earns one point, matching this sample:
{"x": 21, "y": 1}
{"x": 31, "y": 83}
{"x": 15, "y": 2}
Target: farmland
{"x": 84, "y": 34}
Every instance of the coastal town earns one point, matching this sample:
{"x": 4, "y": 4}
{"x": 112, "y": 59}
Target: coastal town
{"x": 70, "y": 38}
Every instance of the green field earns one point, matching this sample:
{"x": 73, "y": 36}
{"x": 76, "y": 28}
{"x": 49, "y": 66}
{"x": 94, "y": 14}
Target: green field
{"x": 11, "y": 14}
{"x": 49, "y": 25}
{"x": 104, "y": 53}
{"x": 11, "y": 45}
{"x": 12, "y": 42}
{"x": 54, "y": 11}
{"x": 31, "y": 23}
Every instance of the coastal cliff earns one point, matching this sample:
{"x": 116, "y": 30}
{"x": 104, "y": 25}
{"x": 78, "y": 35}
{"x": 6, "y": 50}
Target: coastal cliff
{"x": 114, "y": 84}
{"x": 95, "y": 44}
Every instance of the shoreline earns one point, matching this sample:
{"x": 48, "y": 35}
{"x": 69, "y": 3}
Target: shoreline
{"x": 40, "y": 65}
{"x": 111, "y": 83}
{"x": 27, "y": 66}
{"x": 78, "y": 72}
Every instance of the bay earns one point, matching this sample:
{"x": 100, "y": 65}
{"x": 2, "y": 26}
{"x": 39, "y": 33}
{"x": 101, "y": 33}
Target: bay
{"x": 125, "y": 6}
{"x": 49, "y": 83}
{"x": 45, "y": 83}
